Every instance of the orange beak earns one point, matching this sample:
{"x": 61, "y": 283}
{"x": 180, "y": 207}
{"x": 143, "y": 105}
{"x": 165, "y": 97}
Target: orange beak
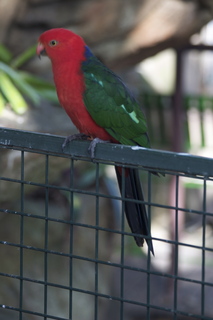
{"x": 40, "y": 50}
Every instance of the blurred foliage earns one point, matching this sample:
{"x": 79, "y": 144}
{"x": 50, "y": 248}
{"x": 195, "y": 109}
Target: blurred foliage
{"x": 16, "y": 86}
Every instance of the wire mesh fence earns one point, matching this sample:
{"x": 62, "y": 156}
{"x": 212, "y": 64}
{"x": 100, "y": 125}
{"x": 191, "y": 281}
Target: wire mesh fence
{"x": 65, "y": 249}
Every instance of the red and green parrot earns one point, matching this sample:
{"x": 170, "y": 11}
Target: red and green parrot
{"x": 102, "y": 108}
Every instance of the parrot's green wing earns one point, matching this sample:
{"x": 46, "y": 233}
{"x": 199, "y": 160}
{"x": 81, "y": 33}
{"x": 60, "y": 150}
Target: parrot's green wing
{"x": 111, "y": 105}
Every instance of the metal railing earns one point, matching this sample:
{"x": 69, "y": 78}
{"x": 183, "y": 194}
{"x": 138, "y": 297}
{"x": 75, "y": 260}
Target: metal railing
{"x": 65, "y": 250}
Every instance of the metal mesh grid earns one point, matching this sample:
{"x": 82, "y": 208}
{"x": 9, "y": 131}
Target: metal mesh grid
{"x": 71, "y": 265}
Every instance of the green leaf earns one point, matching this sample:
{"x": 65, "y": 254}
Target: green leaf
{"x": 23, "y": 57}
{"x": 49, "y": 95}
{"x": 44, "y": 88}
{"x": 16, "y": 83}
{"x": 36, "y": 81}
{"x": 2, "y": 103}
{"x": 12, "y": 95}
{"x": 24, "y": 87}
{"x": 5, "y": 54}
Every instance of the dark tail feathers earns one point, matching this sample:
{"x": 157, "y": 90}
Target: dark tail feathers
{"x": 135, "y": 212}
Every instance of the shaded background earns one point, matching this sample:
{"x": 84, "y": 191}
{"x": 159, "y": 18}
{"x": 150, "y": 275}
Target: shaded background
{"x": 145, "y": 42}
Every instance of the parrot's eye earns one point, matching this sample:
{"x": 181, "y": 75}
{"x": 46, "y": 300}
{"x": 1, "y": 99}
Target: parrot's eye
{"x": 53, "y": 43}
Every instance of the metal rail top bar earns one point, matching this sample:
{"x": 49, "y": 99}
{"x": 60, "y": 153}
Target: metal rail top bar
{"x": 132, "y": 155}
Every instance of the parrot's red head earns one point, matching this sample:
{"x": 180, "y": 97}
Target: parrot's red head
{"x": 60, "y": 43}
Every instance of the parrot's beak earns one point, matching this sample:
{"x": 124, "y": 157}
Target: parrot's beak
{"x": 40, "y": 50}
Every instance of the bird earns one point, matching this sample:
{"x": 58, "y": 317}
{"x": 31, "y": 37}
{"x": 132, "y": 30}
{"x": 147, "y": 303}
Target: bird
{"x": 103, "y": 109}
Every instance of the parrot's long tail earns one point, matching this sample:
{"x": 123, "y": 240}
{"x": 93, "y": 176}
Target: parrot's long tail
{"x": 135, "y": 211}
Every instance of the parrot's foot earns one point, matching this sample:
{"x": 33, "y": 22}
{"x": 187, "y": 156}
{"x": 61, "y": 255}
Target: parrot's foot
{"x": 93, "y": 145}
{"x": 77, "y": 136}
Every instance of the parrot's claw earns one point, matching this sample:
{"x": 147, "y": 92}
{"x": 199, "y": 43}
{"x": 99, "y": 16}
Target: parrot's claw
{"x": 93, "y": 144}
{"x": 77, "y": 136}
